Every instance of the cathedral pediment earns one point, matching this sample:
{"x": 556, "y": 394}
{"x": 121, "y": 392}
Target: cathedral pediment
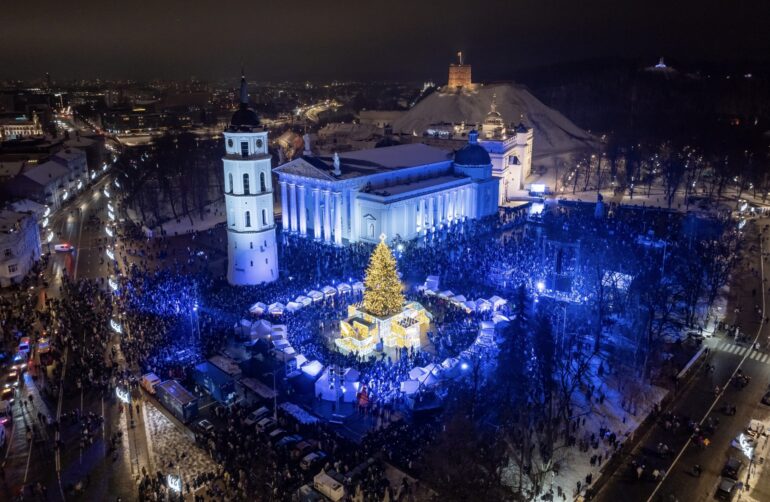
{"x": 303, "y": 168}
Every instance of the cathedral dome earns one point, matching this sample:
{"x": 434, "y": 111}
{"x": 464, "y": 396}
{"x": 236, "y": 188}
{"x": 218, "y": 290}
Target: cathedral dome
{"x": 244, "y": 117}
{"x": 472, "y": 154}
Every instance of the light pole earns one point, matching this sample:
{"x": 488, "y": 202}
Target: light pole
{"x": 275, "y": 397}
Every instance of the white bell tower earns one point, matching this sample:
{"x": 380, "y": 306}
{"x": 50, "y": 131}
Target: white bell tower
{"x": 252, "y": 257}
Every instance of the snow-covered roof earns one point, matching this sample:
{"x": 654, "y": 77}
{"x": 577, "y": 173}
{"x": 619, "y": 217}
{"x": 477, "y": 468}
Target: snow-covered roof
{"x": 45, "y": 173}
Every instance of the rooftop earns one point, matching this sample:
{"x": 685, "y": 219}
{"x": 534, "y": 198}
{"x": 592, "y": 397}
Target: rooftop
{"x": 367, "y": 162}
{"x": 44, "y": 173}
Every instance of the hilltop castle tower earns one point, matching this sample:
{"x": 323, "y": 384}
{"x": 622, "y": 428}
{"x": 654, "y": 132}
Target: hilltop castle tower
{"x": 252, "y": 257}
{"x": 459, "y": 74}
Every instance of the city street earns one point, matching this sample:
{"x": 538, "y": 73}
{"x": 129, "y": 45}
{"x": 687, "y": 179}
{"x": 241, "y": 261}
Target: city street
{"x": 697, "y": 402}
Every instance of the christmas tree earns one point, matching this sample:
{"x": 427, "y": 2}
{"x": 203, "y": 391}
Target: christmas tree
{"x": 383, "y": 294}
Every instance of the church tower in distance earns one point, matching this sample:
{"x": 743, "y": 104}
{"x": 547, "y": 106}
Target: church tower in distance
{"x": 252, "y": 257}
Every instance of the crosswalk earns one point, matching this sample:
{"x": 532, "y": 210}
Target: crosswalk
{"x": 731, "y": 348}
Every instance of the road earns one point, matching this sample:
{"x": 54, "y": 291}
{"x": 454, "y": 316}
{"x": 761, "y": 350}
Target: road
{"x": 103, "y": 475}
{"x": 698, "y": 401}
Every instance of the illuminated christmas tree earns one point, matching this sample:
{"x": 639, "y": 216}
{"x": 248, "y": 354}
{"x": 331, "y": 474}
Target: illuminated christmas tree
{"x": 383, "y": 294}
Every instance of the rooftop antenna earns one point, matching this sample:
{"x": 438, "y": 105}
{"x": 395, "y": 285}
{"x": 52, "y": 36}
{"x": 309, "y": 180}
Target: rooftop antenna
{"x": 244, "y": 89}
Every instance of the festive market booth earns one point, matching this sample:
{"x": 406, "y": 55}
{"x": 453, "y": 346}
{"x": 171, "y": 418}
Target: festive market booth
{"x": 312, "y": 369}
{"x": 483, "y": 305}
{"x": 446, "y": 294}
{"x": 335, "y": 384}
{"x": 258, "y": 308}
{"x": 470, "y": 305}
{"x": 276, "y": 308}
{"x": 498, "y": 318}
{"x": 294, "y": 365}
{"x": 260, "y": 330}
{"x": 459, "y": 300}
{"x": 243, "y": 327}
{"x": 497, "y": 302}
{"x": 304, "y": 300}
{"x": 285, "y": 353}
{"x": 330, "y": 485}
{"x": 255, "y": 388}
{"x": 293, "y": 306}
{"x": 358, "y": 287}
{"x": 316, "y": 296}
{"x": 344, "y": 288}
{"x": 329, "y": 291}
{"x": 431, "y": 284}
{"x": 217, "y": 383}
{"x": 299, "y": 414}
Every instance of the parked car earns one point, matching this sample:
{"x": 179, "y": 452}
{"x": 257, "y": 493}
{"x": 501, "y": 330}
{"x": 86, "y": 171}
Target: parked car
{"x": 732, "y": 468}
{"x": 205, "y": 426}
{"x": 726, "y": 489}
{"x": 11, "y": 379}
{"x": 302, "y": 449}
{"x": 24, "y": 346}
{"x": 312, "y": 459}
{"x": 255, "y": 416}
{"x": 276, "y": 434}
{"x": 266, "y": 424}
{"x": 288, "y": 441}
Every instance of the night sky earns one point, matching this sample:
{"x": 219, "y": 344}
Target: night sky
{"x": 395, "y": 40}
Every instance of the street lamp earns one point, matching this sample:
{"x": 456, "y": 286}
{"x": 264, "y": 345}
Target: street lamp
{"x": 275, "y": 397}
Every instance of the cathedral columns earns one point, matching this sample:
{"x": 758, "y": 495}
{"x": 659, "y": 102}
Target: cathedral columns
{"x": 284, "y": 208}
{"x": 293, "y": 207}
{"x": 302, "y": 211}
{"x": 316, "y": 215}
{"x": 338, "y": 218}
{"x": 327, "y": 217}
{"x": 430, "y": 222}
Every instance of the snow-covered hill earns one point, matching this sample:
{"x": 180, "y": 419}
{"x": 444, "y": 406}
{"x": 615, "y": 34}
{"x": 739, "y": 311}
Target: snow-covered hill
{"x": 553, "y": 132}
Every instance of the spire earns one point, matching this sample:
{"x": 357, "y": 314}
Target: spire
{"x": 493, "y": 106}
{"x": 460, "y": 57}
{"x": 244, "y": 89}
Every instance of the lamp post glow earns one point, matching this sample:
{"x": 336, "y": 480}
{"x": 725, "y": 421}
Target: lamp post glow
{"x": 113, "y": 284}
{"x": 109, "y": 231}
{"x": 115, "y": 325}
{"x": 110, "y": 254}
{"x": 111, "y": 215}
{"x": 174, "y": 483}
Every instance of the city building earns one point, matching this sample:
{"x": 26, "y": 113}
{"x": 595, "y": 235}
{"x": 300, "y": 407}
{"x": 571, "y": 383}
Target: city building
{"x": 251, "y": 246}
{"x": 19, "y": 127}
{"x": 401, "y": 191}
{"x": 49, "y": 183}
{"x": 19, "y": 245}
{"x": 76, "y": 161}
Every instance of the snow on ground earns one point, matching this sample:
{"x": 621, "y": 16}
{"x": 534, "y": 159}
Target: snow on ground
{"x": 214, "y": 214}
{"x": 169, "y": 446}
{"x": 553, "y": 132}
{"x": 615, "y": 413}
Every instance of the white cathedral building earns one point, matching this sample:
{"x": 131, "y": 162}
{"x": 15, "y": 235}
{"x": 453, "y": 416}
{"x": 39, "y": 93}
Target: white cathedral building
{"x": 401, "y": 191}
{"x": 251, "y": 246}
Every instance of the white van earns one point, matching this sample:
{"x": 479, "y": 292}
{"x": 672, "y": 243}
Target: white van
{"x": 149, "y": 381}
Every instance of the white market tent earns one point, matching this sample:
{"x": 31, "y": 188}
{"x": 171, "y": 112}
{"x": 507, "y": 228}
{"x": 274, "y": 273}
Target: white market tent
{"x": 276, "y": 308}
{"x": 243, "y": 327}
{"x": 498, "y": 318}
{"x": 286, "y": 353}
{"x": 497, "y": 302}
{"x": 316, "y": 296}
{"x": 409, "y": 387}
{"x": 358, "y": 286}
{"x": 300, "y": 360}
{"x": 280, "y": 344}
{"x": 431, "y": 282}
{"x": 304, "y": 300}
{"x": 258, "y": 308}
{"x": 470, "y": 305}
{"x": 313, "y": 368}
{"x": 446, "y": 294}
{"x": 416, "y": 373}
{"x": 483, "y": 305}
{"x": 344, "y": 288}
{"x": 329, "y": 291}
{"x": 261, "y": 329}
{"x": 293, "y": 306}
{"x": 459, "y": 299}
